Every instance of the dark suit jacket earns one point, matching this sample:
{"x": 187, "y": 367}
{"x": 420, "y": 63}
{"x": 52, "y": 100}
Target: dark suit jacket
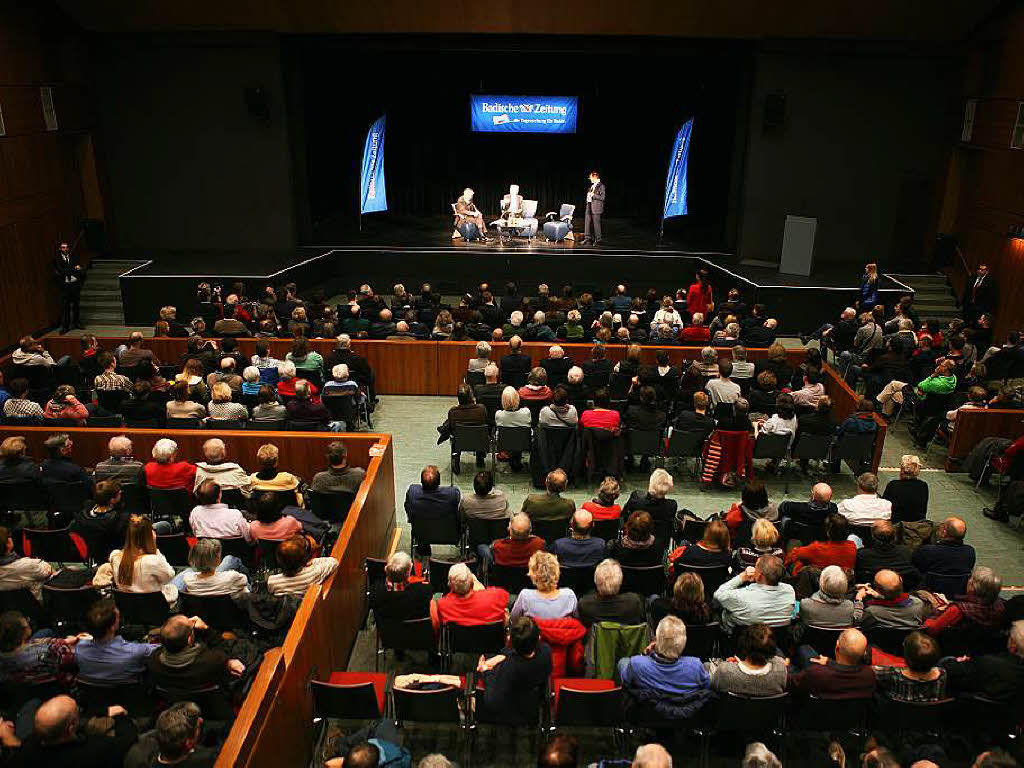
{"x": 875, "y": 557}
{"x": 691, "y": 421}
{"x": 64, "y": 471}
{"x": 63, "y": 270}
{"x": 984, "y": 298}
{"x": 431, "y": 505}
{"x": 996, "y": 675}
{"x": 557, "y": 368}
{"x": 597, "y": 203}
{"x": 514, "y": 364}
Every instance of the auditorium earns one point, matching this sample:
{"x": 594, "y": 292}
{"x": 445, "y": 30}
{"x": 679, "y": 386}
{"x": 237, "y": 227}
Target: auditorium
{"x": 555, "y": 384}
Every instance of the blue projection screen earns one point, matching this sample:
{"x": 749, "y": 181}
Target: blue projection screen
{"x": 523, "y": 114}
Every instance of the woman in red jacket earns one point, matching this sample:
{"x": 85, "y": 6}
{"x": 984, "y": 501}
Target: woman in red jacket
{"x": 699, "y": 298}
{"x": 835, "y": 550}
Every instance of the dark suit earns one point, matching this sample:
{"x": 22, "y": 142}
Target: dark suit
{"x": 515, "y": 367}
{"x": 979, "y": 298}
{"x": 70, "y": 275}
{"x": 595, "y": 209}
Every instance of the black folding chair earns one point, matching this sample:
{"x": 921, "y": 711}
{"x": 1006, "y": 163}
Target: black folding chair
{"x": 270, "y": 425}
{"x": 25, "y": 603}
{"x": 774, "y": 447}
{"x": 178, "y": 423}
{"x": 824, "y": 715}
{"x": 103, "y": 421}
{"x": 67, "y": 499}
{"x": 174, "y": 547}
{"x": 142, "y": 424}
{"x": 342, "y": 406}
{"x": 221, "y": 425}
{"x": 764, "y": 717}
{"x": 858, "y": 449}
{"x": 355, "y": 696}
{"x": 702, "y": 640}
{"x": 643, "y": 442}
{"x": 688, "y": 529}
{"x": 477, "y": 639}
{"x": 813, "y": 448}
{"x": 480, "y": 531}
{"x": 305, "y": 426}
{"x": 888, "y": 639}
{"x": 471, "y": 438}
{"x": 686, "y": 445}
{"x": 821, "y": 639}
{"x": 949, "y": 584}
{"x": 514, "y": 439}
{"x": 145, "y": 609}
{"x": 409, "y": 635}
{"x": 27, "y": 496}
{"x": 68, "y": 605}
{"x": 170, "y": 504}
{"x": 220, "y": 612}
{"x": 713, "y": 576}
{"x": 446, "y": 530}
{"x": 332, "y": 507}
{"x": 53, "y": 546}
{"x": 644, "y": 580}
{"x": 511, "y": 578}
{"x": 588, "y": 703}
{"x": 239, "y": 547}
{"x": 551, "y": 530}
{"x": 579, "y": 580}
{"x": 930, "y": 717}
{"x": 111, "y": 399}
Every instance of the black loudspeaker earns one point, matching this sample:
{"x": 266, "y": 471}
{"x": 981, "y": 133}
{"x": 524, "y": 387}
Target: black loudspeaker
{"x": 95, "y": 235}
{"x": 257, "y": 103}
{"x": 774, "y": 117}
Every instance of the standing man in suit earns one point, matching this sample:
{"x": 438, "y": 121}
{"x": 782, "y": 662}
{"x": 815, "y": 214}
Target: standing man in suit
{"x": 595, "y": 208}
{"x": 70, "y": 275}
{"x": 980, "y": 296}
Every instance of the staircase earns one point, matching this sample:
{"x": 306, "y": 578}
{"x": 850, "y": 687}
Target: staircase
{"x": 933, "y": 298}
{"x": 101, "y": 294}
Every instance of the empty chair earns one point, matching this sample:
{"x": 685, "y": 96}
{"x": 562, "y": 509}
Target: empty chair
{"x": 812, "y": 447}
{"x": 771, "y": 445}
{"x": 69, "y": 605}
{"x": 888, "y": 639}
{"x": 220, "y": 612}
{"x": 174, "y": 547}
{"x": 558, "y": 225}
{"x": 147, "y": 609}
{"x": 511, "y": 578}
{"x": 25, "y": 603}
{"x": 409, "y": 635}
{"x": 373, "y": 573}
{"x": 350, "y": 696}
{"x": 478, "y": 639}
{"x": 103, "y": 421}
{"x": 821, "y": 639}
{"x": 685, "y": 445}
{"x": 332, "y": 507}
{"x": 856, "y": 448}
{"x": 606, "y": 529}
{"x": 470, "y": 438}
{"x": 55, "y": 546}
{"x": 514, "y": 439}
{"x": 702, "y": 640}
{"x": 645, "y": 580}
{"x": 427, "y": 705}
{"x": 761, "y": 717}
{"x": 932, "y": 717}
{"x": 643, "y": 442}
{"x": 24, "y": 497}
{"x": 482, "y": 531}
{"x": 67, "y": 498}
{"x": 579, "y": 580}
{"x": 168, "y": 504}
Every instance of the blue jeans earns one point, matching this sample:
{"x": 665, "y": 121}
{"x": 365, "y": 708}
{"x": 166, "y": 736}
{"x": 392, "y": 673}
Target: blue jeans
{"x": 469, "y": 230}
{"x": 163, "y": 527}
{"x": 229, "y": 563}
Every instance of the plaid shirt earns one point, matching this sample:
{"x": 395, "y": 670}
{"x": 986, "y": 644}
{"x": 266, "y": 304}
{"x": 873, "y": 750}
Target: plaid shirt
{"x": 18, "y": 407}
{"x": 113, "y": 381}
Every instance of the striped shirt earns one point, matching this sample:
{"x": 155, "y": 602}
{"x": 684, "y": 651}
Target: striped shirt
{"x": 228, "y": 410}
{"x": 107, "y": 380}
{"x": 313, "y": 572}
{"x": 18, "y": 407}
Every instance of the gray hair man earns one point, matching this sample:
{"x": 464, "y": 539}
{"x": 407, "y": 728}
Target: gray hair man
{"x": 867, "y": 506}
{"x": 663, "y": 669}
{"x": 757, "y": 596}
{"x": 652, "y": 756}
{"x": 121, "y": 465}
{"x": 608, "y": 603}
{"x": 228, "y": 474}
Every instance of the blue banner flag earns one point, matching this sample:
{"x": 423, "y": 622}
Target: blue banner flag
{"x": 675, "y": 184}
{"x": 373, "y": 194}
{"x": 522, "y": 114}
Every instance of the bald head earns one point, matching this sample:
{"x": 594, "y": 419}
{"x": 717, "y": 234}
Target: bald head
{"x": 888, "y": 583}
{"x": 582, "y": 522}
{"x": 821, "y": 493}
{"x": 953, "y": 529}
{"x": 519, "y": 526}
{"x": 851, "y": 646}
{"x": 57, "y": 720}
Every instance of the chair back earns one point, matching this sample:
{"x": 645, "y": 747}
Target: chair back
{"x": 23, "y": 496}
{"x": 480, "y": 531}
{"x": 267, "y": 550}
{"x": 606, "y": 529}
{"x": 25, "y": 603}
{"x": 511, "y": 578}
{"x": 476, "y": 639}
{"x": 174, "y": 547}
{"x": 888, "y": 639}
{"x": 817, "y": 447}
{"x": 373, "y": 573}
{"x": 471, "y": 438}
{"x": 305, "y": 426}
{"x": 834, "y": 715}
{"x": 618, "y": 385}
{"x": 220, "y": 612}
{"x": 70, "y": 604}
{"x": 916, "y": 716}
{"x": 643, "y": 442}
{"x": 752, "y": 714}
{"x": 713, "y": 576}
{"x": 346, "y": 701}
{"x": 586, "y": 702}
{"x": 804, "y": 532}
{"x": 342, "y": 406}
{"x": 409, "y": 635}
{"x": 551, "y": 530}
{"x": 566, "y": 209}
{"x": 821, "y": 639}
{"x": 702, "y": 640}
{"x": 644, "y": 580}
{"x": 436, "y": 705}
{"x": 595, "y": 381}
{"x": 169, "y": 503}
{"x": 579, "y": 580}
{"x": 949, "y": 584}
{"x": 688, "y": 529}
{"x": 103, "y": 421}
{"x": 474, "y": 378}
{"x": 439, "y": 572}
{"x": 155, "y": 424}
{"x": 684, "y": 445}
{"x": 111, "y": 399}
{"x": 529, "y": 209}
{"x": 96, "y": 698}
{"x": 333, "y": 506}
{"x": 147, "y": 609}
{"x": 442, "y": 530}
{"x": 53, "y": 546}
{"x": 222, "y": 424}
{"x": 771, "y": 446}
{"x": 514, "y": 439}
{"x": 67, "y": 498}
{"x": 269, "y": 425}
{"x": 854, "y": 447}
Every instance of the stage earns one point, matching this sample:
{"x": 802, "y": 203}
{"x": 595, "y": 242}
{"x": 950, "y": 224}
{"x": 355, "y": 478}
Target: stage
{"x": 418, "y": 252}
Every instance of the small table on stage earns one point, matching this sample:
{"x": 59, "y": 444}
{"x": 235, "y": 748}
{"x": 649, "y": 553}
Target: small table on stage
{"x": 509, "y": 227}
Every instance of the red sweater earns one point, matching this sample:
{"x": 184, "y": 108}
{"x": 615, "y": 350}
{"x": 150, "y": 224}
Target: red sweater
{"x": 823, "y": 553}
{"x": 698, "y": 300}
{"x": 695, "y": 334}
{"x": 179, "y": 474}
{"x": 603, "y": 419}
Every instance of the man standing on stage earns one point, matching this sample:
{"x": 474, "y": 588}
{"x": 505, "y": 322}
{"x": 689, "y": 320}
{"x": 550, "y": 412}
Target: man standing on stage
{"x": 71, "y": 275}
{"x": 980, "y": 295}
{"x": 595, "y": 208}
{"x": 472, "y": 226}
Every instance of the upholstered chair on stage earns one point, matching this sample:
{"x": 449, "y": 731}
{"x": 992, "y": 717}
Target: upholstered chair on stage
{"x": 530, "y": 224}
{"x": 558, "y": 227}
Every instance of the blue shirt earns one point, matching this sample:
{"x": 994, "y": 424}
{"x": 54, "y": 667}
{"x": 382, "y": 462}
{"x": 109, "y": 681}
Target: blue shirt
{"x": 117, "y": 662}
{"x": 431, "y": 505}
{"x": 578, "y": 553}
{"x": 680, "y": 677}
{"x": 4, "y": 396}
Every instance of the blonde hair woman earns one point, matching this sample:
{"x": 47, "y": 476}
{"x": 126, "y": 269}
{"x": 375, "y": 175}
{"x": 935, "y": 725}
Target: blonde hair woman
{"x": 908, "y": 494}
{"x": 220, "y": 406}
{"x": 764, "y": 540}
{"x": 512, "y": 414}
{"x": 547, "y": 601}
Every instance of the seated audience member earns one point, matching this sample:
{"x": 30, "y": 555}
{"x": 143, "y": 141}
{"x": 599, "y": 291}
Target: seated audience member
{"x": 760, "y": 335}
{"x": 818, "y": 421}
{"x": 861, "y": 421}
{"x": 764, "y": 540}
{"x": 742, "y": 371}
{"x": 271, "y": 521}
{"x": 287, "y": 379}
{"x": 270, "y": 478}
{"x": 598, "y": 364}
{"x": 948, "y": 555}
{"x": 27, "y": 660}
{"x": 723, "y": 389}
{"x": 428, "y": 501}
{"x": 835, "y": 549}
{"x": 212, "y": 573}
{"x": 696, "y": 333}
{"x": 305, "y": 359}
{"x": 516, "y": 364}
{"x": 942, "y": 381}
{"x": 829, "y": 606}
{"x": 664, "y": 670}
{"x": 185, "y": 663}
{"x": 58, "y": 466}
{"x": 998, "y": 676}
{"x": 888, "y": 606}
{"x": 608, "y": 603}
{"x": 228, "y": 474}
{"x": 105, "y": 657}
{"x": 782, "y": 422}
{"x": 661, "y": 509}
{"x": 303, "y": 407}
{"x": 636, "y": 547}
{"x": 556, "y": 365}
{"x": 141, "y": 407}
{"x": 299, "y": 569}
{"x": 645, "y": 415}
{"x": 31, "y": 352}
{"x": 756, "y": 595}
{"x": 176, "y": 740}
{"x": 812, "y": 512}
{"x": 139, "y": 566}
{"x": 559, "y": 413}
{"x": 341, "y": 382}
{"x": 757, "y": 670}
{"x": 844, "y": 677}
{"x": 546, "y": 601}
{"x": 468, "y": 602}
{"x": 268, "y": 408}
{"x": 486, "y": 501}
{"x": 15, "y": 465}
{"x": 251, "y": 381}
{"x": 764, "y": 394}
{"x": 266, "y": 364}
{"x": 981, "y": 609}
{"x": 211, "y": 518}
{"x": 193, "y": 378}
{"x": 225, "y": 374}
{"x": 19, "y": 572}
{"x": 866, "y": 506}
{"x": 738, "y": 420}
{"x": 550, "y": 505}
{"x": 468, "y": 413}
{"x": 754, "y": 505}
{"x": 696, "y": 420}
{"x": 921, "y": 680}
{"x": 109, "y": 380}
{"x": 18, "y": 406}
{"x": 164, "y": 472}
{"x": 807, "y": 396}
{"x": 514, "y": 679}
{"x": 603, "y": 506}
{"x": 220, "y": 406}
{"x": 515, "y": 550}
{"x": 602, "y": 415}
{"x": 64, "y": 405}
{"x": 180, "y": 407}
{"x": 401, "y": 596}
{"x": 339, "y": 477}
{"x": 102, "y": 521}
{"x": 579, "y": 549}
{"x": 710, "y": 552}
{"x": 536, "y": 388}
{"x": 687, "y": 602}
{"x": 883, "y": 552}
{"x": 59, "y": 739}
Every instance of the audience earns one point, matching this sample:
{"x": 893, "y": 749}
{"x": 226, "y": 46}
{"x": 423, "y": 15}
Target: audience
{"x": 165, "y": 473}
{"x": 756, "y": 595}
{"x": 608, "y": 603}
{"x": 949, "y": 555}
{"x": 550, "y": 505}
{"x": 886, "y": 605}
{"x": 299, "y": 568}
{"x": 228, "y": 474}
{"x": 579, "y": 549}
{"x": 757, "y": 671}
{"x": 663, "y": 671}
{"x": 866, "y": 506}
{"x": 546, "y": 601}
{"x": 835, "y": 549}
{"x": 829, "y": 607}
{"x": 21, "y": 572}
{"x": 213, "y": 519}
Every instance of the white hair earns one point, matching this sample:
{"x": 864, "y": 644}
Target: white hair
{"x": 460, "y": 579}
{"x": 213, "y": 449}
{"x": 164, "y": 450}
{"x": 120, "y": 445}
{"x": 759, "y": 756}
{"x": 575, "y": 375}
{"x": 467, "y": 192}
{"x": 538, "y": 317}
{"x": 608, "y": 577}
{"x": 556, "y": 352}
{"x": 660, "y": 483}
{"x": 398, "y": 567}
{"x": 483, "y": 349}
{"x": 340, "y": 372}
{"x": 833, "y": 581}
{"x": 516, "y": 318}
{"x": 652, "y": 756}
{"x": 344, "y": 341}
{"x": 286, "y": 369}
{"x": 251, "y": 373}
{"x": 670, "y": 637}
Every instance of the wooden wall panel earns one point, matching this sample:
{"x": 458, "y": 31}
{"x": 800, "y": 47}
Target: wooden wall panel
{"x": 972, "y": 426}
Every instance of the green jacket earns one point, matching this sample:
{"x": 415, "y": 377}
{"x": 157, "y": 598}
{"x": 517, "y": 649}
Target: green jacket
{"x": 937, "y": 385}
{"x": 611, "y": 641}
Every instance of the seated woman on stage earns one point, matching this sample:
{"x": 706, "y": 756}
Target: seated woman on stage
{"x": 471, "y": 224}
